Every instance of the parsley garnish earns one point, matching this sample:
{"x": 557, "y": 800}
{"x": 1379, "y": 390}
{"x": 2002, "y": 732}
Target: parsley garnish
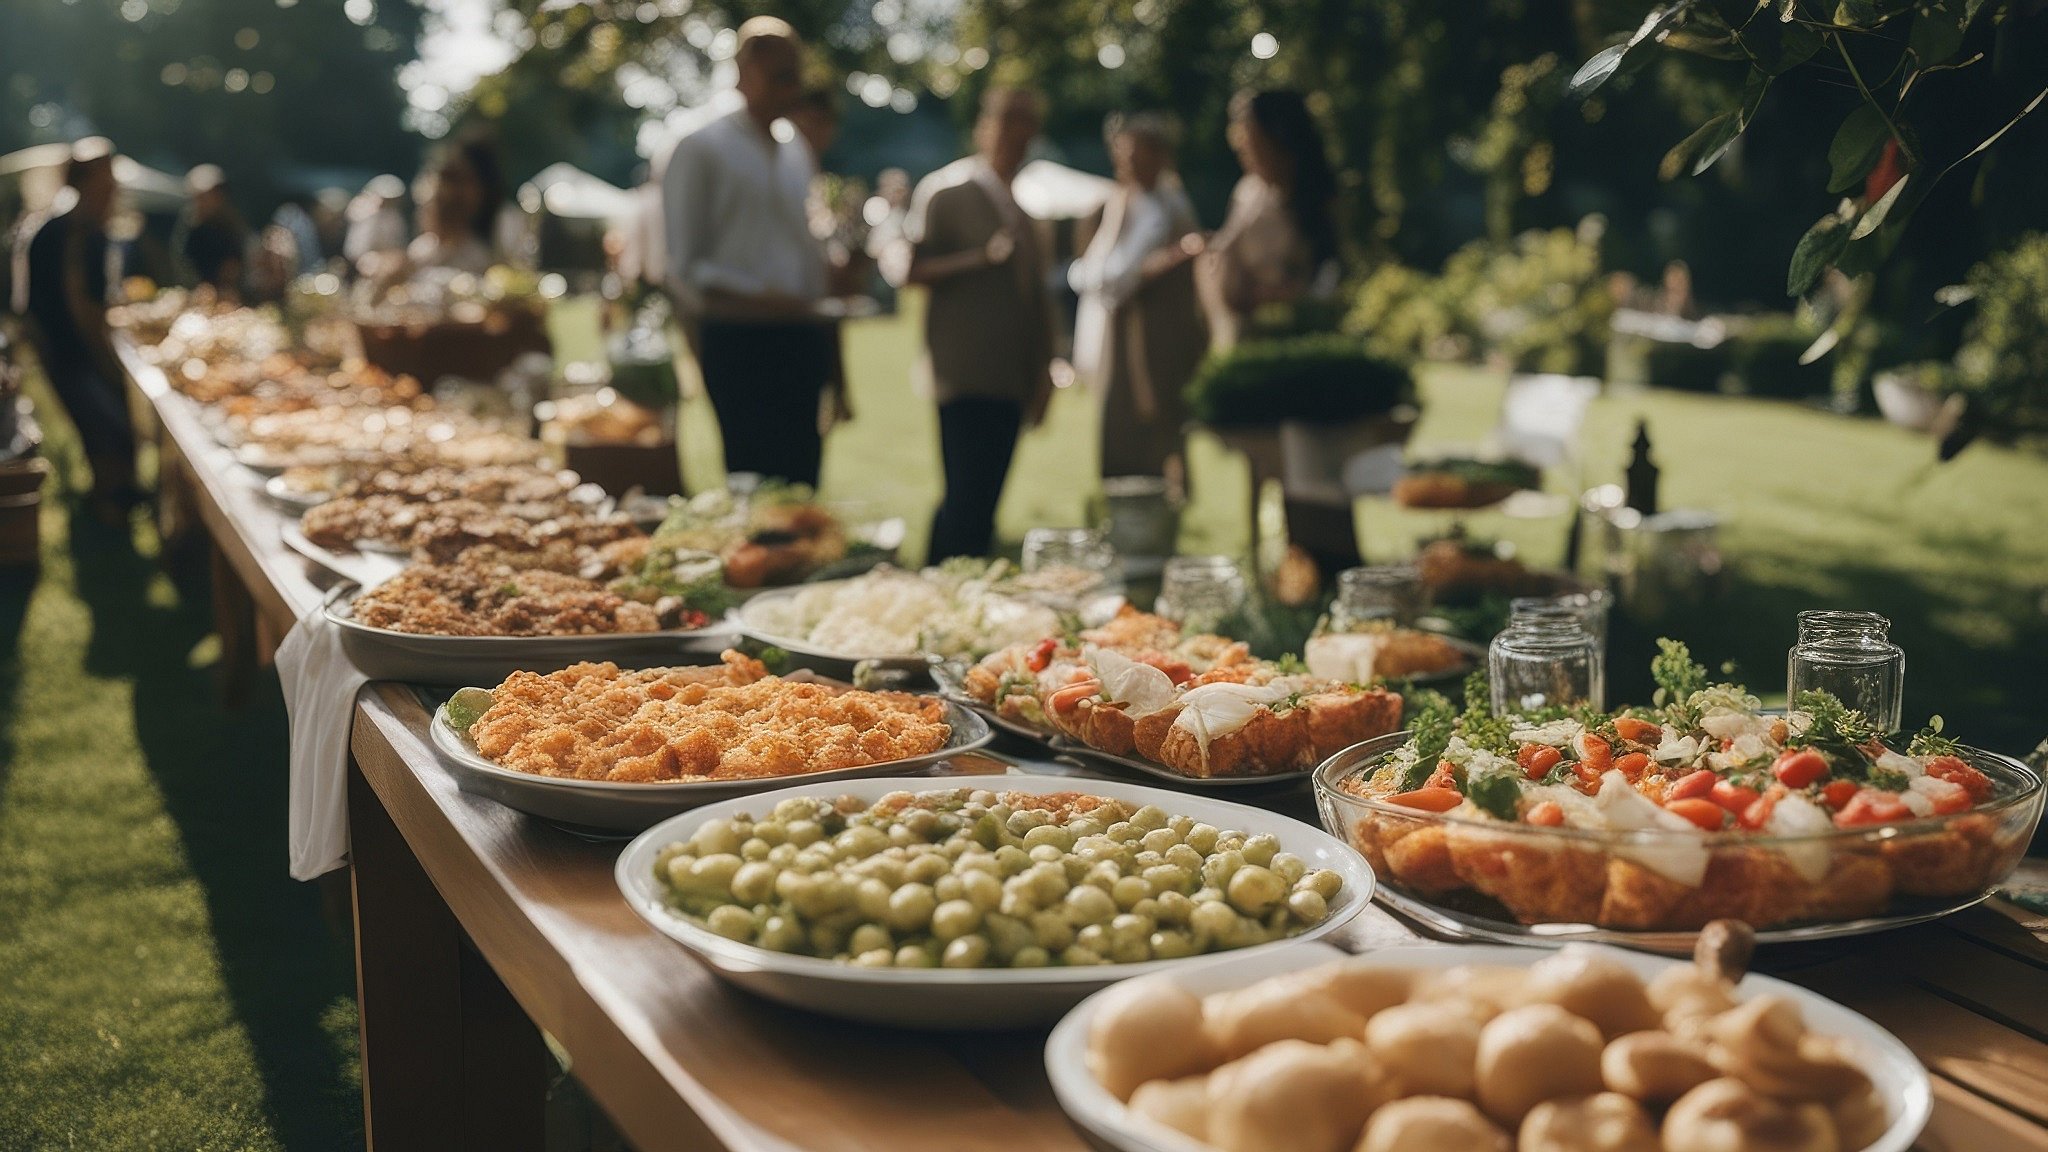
{"x": 1678, "y": 677}
{"x": 1930, "y": 742}
{"x": 1497, "y": 794}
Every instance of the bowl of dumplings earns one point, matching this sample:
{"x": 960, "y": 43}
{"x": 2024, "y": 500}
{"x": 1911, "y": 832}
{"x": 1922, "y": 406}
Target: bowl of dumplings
{"x": 1483, "y": 1049}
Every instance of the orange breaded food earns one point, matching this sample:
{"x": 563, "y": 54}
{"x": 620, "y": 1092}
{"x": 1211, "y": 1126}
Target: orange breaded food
{"x": 730, "y": 722}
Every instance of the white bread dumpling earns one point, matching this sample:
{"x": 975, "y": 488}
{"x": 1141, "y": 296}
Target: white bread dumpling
{"x": 1535, "y": 1053}
{"x": 1182, "y": 1105}
{"x": 1294, "y": 1096}
{"x": 1588, "y": 982}
{"x": 1292, "y": 1007}
{"x": 1426, "y": 1049}
{"x": 1604, "y": 1122}
{"x": 1148, "y": 1029}
{"x": 1431, "y": 1124}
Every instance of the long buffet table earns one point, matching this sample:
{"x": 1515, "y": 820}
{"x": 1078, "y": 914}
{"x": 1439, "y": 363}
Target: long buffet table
{"x": 478, "y": 929}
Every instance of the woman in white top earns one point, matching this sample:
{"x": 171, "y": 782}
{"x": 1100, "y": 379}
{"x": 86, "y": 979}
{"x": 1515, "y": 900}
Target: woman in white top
{"x": 1139, "y": 333}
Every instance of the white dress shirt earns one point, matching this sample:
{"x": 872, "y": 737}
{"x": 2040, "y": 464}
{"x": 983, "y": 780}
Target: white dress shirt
{"x": 1135, "y": 224}
{"x": 733, "y": 201}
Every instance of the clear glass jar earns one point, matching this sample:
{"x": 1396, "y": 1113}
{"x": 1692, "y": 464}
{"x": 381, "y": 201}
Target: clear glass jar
{"x": 1085, "y": 548}
{"x": 1592, "y": 605}
{"x": 1545, "y": 656}
{"x": 1851, "y": 655}
{"x": 1380, "y": 592}
{"x": 1201, "y": 592}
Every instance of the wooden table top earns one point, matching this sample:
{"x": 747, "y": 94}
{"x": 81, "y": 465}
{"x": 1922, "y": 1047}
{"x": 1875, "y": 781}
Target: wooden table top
{"x": 680, "y": 1060}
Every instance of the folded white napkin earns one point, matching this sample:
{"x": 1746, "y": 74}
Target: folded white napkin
{"x": 320, "y": 695}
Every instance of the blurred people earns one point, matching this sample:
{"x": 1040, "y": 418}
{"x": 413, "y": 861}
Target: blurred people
{"x": 1674, "y": 297}
{"x": 815, "y": 116}
{"x": 211, "y": 241}
{"x": 884, "y": 214}
{"x": 66, "y": 280}
{"x": 330, "y": 222}
{"x": 989, "y": 323}
{"x": 456, "y": 199}
{"x": 295, "y": 219}
{"x": 1139, "y": 333}
{"x": 1278, "y": 245}
{"x": 376, "y": 221}
{"x": 745, "y": 272}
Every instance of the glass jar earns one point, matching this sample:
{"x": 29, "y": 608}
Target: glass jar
{"x": 1592, "y": 605}
{"x": 1851, "y": 655}
{"x": 1201, "y": 592}
{"x": 1545, "y": 656}
{"x": 1083, "y": 548}
{"x": 1380, "y": 592}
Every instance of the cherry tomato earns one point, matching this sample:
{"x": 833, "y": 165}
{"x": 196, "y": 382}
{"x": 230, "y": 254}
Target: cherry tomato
{"x": 1544, "y": 814}
{"x": 1177, "y": 671}
{"x": 1870, "y": 806}
{"x": 1732, "y": 796}
{"x": 1632, "y": 764}
{"x": 1042, "y": 654}
{"x": 1758, "y": 814}
{"x": 1594, "y": 752}
{"x": 1836, "y": 793}
{"x": 1428, "y": 799}
{"x": 1956, "y": 770}
{"x": 1953, "y": 803}
{"x": 1638, "y": 731}
{"x": 1798, "y": 768}
{"x": 1537, "y": 760}
{"x": 1691, "y": 786}
{"x": 1705, "y": 813}
{"x": 1588, "y": 777}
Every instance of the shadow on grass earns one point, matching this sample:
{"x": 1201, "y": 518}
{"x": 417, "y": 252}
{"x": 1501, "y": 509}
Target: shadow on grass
{"x": 222, "y": 774}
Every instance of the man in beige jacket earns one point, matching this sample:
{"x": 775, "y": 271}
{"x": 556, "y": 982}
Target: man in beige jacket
{"x": 989, "y": 322}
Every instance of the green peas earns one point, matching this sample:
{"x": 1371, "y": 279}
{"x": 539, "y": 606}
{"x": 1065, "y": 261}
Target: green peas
{"x": 1089, "y": 905}
{"x": 1045, "y": 854}
{"x": 1011, "y": 860}
{"x": 823, "y": 896}
{"x": 1174, "y": 908}
{"x": 1007, "y": 935}
{"x": 1149, "y": 907}
{"x": 754, "y": 882}
{"x": 1128, "y": 890}
{"x": 1130, "y": 927}
{"x": 771, "y": 832}
{"x": 1048, "y": 882}
{"x": 875, "y": 958}
{"x": 1124, "y": 830}
{"x": 782, "y": 855}
{"x": 715, "y": 873}
{"x": 926, "y": 868}
{"x": 1253, "y": 889}
{"x": 1051, "y": 930}
{"x": 731, "y": 921}
{"x": 1201, "y": 838}
{"x": 755, "y": 848}
{"x": 1163, "y": 878}
{"x": 1021, "y": 824}
{"x": 781, "y": 934}
{"x": 826, "y": 939}
{"x": 861, "y": 841}
{"x": 1217, "y": 869}
{"x": 1212, "y": 921}
{"x": 983, "y": 889}
{"x": 1160, "y": 839}
{"x": 1180, "y": 825}
{"x": 1288, "y": 866}
{"x": 1261, "y": 849}
{"x": 1183, "y": 857}
{"x": 804, "y": 833}
{"x": 679, "y": 869}
{"x": 966, "y": 952}
{"x": 912, "y": 956}
{"x": 869, "y": 938}
{"x": 1095, "y": 938}
{"x": 1031, "y": 956}
{"x": 911, "y": 907}
{"x": 714, "y": 837}
{"x": 1171, "y": 944}
{"x": 1049, "y": 835}
{"x": 1148, "y": 818}
{"x": 1076, "y": 956}
{"x": 949, "y": 887}
{"x": 954, "y": 918}
{"x": 1086, "y": 826}
{"x": 1131, "y": 951}
{"x": 1324, "y": 883}
{"x": 1308, "y": 906}
{"x": 920, "y": 822}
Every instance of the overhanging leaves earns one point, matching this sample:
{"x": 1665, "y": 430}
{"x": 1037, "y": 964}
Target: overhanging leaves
{"x": 1710, "y": 141}
{"x": 1608, "y": 62}
{"x": 1874, "y": 215}
{"x": 1937, "y": 32}
{"x": 1856, "y": 147}
{"x": 1818, "y": 249}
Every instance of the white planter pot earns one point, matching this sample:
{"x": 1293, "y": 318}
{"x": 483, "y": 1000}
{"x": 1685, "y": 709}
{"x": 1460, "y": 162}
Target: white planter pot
{"x": 1905, "y": 402}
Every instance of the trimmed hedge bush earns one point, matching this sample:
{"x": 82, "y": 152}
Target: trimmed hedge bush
{"x": 1312, "y": 379}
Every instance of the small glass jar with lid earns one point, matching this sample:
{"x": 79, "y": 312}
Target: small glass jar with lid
{"x": 1592, "y": 605}
{"x": 1087, "y": 549}
{"x": 1546, "y": 656}
{"x": 1201, "y": 593}
{"x": 1851, "y": 656}
{"x": 1376, "y": 594}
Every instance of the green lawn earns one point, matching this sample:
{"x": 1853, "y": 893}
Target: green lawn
{"x": 168, "y": 987}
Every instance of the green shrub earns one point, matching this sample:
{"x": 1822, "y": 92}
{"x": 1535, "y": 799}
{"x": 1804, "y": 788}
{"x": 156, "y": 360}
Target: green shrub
{"x": 1764, "y": 357}
{"x": 2003, "y": 363}
{"x": 1684, "y": 367}
{"x": 1314, "y": 379}
{"x": 1403, "y": 313}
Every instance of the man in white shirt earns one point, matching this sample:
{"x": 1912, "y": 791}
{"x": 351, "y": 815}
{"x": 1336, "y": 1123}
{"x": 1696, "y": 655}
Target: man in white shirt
{"x": 746, "y": 274}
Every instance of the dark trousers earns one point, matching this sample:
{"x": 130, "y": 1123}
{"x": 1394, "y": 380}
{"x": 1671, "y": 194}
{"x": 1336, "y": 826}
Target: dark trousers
{"x": 977, "y": 437}
{"x": 764, "y": 381}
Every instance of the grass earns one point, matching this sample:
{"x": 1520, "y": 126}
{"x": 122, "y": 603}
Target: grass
{"x": 169, "y": 987}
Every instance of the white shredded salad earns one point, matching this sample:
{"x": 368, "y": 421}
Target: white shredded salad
{"x": 890, "y": 612}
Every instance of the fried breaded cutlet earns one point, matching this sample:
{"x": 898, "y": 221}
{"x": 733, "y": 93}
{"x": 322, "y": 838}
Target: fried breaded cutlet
{"x": 731, "y": 722}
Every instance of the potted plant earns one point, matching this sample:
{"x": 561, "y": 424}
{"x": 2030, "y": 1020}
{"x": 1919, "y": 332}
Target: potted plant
{"x": 1304, "y": 407}
{"x": 1913, "y": 396}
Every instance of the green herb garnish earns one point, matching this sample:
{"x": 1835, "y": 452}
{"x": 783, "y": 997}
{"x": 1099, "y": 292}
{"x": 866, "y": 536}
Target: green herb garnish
{"x": 1498, "y": 794}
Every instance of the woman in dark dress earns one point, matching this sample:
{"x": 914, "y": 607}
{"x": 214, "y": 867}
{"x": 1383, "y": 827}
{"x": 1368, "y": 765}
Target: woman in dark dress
{"x": 67, "y": 308}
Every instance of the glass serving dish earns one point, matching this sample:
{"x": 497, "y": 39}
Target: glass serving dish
{"x": 1520, "y": 883}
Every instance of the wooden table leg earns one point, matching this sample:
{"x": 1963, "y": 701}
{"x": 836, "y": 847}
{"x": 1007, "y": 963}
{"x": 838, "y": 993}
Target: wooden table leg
{"x": 450, "y": 1063}
{"x": 234, "y": 621}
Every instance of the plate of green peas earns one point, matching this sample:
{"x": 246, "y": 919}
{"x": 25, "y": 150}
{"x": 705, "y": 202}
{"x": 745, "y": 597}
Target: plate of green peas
{"x": 921, "y": 903}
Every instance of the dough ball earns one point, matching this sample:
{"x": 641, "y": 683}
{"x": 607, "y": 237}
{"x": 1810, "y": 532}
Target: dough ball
{"x": 1607, "y": 1122}
{"x": 1727, "y": 1115}
{"x": 1654, "y": 1067}
{"x": 1148, "y": 1029}
{"x": 1294, "y": 1096}
{"x": 1589, "y": 982}
{"x": 1535, "y": 1053}
{"x": 1182, "y": 1105}
{"x": 1431, "y": 1124}
{"x": 1292, "y": 1007}
{"x": 1427, "y": 1049}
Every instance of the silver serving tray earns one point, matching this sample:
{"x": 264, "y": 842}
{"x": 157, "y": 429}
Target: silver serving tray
{"x": 613, "y": 806}
{"x": 363, "y": 569}
{"x": 741, "y": 618}
{"x": 383, "y": 654}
